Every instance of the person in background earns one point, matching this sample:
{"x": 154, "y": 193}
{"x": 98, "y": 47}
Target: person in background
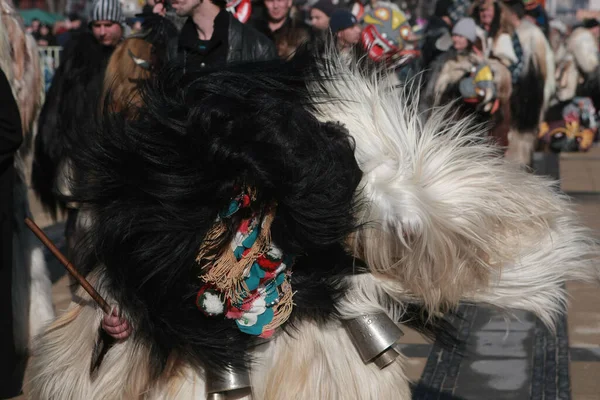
{"x": 148, "y": 7}
{"x": 451, "y": 77}
{"x": 160, "y": 8}
{"x": 557, "y": 38}
{"x": 135, "y": 24}
{"x": 75, "y": 25}
{"x": 437, "y": 33}
{"x": 71, "y": 102}
{"x": 45, "y": 37}
{"x": 535, "y": 12}
{"x": 320, "y": 13}
{"x": 486, "y": 14}
{"x": 464, "y": 35}
{"x": 289, "y": 38}
{"x": 276, "y": 15}
{"x": 345, "y": 29}
{"x": 451, "y": 66}
{"x": 212, "y": 36}
{"x": 108, "y": 23}
{"x": 12, "y": 364}
{"x": 593, "y": 26}
{"x": 34, "y": 28}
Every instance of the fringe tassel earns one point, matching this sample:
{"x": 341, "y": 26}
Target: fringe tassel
{"x": 283, "y": 309}
{"x": 211, "y": 240}
{"x": 227, "y": 273}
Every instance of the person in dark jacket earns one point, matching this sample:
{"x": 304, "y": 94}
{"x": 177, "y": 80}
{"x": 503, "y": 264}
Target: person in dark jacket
{"x": 75, "y": 26}
{"x": 12, "y": 364}
{"x": 72, "y": 101}
{"x": 536, "y": 13}
{"x": 212, "y": 37}
{"x": 275, "y": 17}
{"x": 437, "y": 34}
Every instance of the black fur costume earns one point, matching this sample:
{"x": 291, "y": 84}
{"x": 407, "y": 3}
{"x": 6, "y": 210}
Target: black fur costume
{"x": 71, "y": 102}
{"x": 156, "y": 184}
{"x": 527, "y": 100}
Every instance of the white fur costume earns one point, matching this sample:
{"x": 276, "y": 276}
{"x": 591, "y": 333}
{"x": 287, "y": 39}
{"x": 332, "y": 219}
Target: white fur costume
{"x": 448, "y": 220}
{"x": 581, "y": 59}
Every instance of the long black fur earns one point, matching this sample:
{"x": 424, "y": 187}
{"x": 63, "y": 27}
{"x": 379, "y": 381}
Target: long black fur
{"x": 155, "y": 185}
{"x": 527, "y": 100}
{"x": 71, "y": 101}
{"x": 163, "y": 35}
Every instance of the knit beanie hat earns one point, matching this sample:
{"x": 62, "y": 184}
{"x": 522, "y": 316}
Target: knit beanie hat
{"x": 326, "y": 6}
{"x": 107, "y": 10}
{"x": 466, "y": 27}
{"x": 340, "y": 20}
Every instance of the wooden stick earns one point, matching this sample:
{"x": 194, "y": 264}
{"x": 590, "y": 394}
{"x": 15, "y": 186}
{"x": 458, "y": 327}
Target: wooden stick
{"x": 74, "y": 273}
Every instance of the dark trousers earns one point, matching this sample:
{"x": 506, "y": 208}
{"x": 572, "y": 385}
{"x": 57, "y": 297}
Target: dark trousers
{"x": 12, "y": 364}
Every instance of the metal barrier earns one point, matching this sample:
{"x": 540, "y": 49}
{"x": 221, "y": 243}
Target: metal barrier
{"x": 49, "y": 60}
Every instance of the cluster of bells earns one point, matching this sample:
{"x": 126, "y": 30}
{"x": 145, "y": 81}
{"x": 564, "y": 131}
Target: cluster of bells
{"x": 374, "y": 336}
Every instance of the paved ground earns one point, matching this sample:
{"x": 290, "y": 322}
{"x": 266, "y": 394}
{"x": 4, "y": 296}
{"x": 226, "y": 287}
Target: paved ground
{"x": 517, "y": 361}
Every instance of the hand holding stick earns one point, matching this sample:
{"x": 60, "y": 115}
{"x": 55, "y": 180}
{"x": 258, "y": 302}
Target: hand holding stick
{"x": 74, "y": 273}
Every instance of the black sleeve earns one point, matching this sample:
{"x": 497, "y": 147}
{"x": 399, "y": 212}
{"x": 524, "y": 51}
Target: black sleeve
{"x": 11, "y": 134}
{"x": 270, "y": 51}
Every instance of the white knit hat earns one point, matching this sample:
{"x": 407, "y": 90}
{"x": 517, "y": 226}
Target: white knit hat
{"x": 466, "y": 27}
{"x": 107, "y": 10}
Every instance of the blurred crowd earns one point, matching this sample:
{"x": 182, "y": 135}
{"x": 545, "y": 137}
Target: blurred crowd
{"x": 532, "y": 82}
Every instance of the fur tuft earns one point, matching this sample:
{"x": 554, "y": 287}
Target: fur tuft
{"x": 447, "y": 217}
{"x": 59, "y": 366}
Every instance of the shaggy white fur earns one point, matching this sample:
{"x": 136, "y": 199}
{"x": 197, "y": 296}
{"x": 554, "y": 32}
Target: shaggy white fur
{"x": 60, "y": 364}
{"x": 41, "y": 311}
{"x": 320, "y": 362}
{"x": 447, "y": 218}
{"x": 311, "y": 362}
{"x": 584, "y": 48}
